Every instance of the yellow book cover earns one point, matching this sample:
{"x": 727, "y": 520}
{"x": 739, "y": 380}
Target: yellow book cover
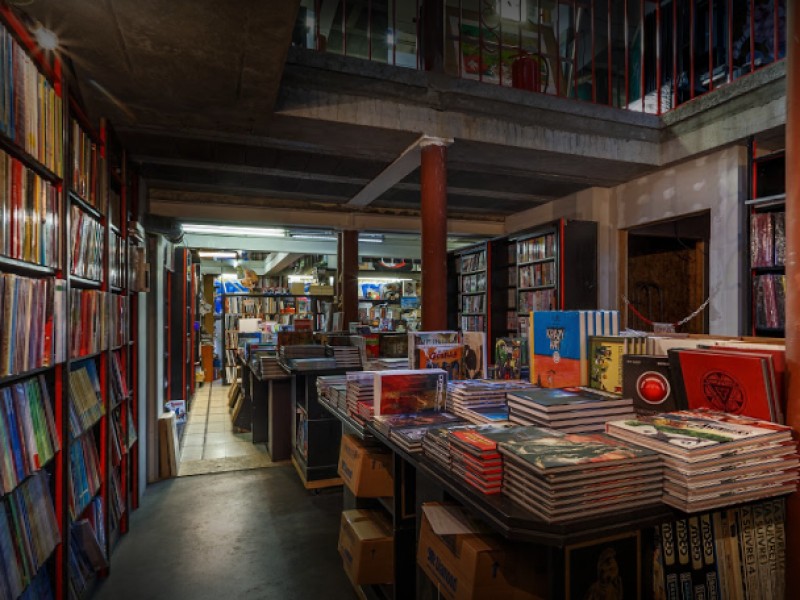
{"x": 605, "y": 363}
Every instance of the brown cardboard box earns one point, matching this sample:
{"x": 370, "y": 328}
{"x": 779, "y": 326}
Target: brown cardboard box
{"x": 479, "y": 566}
{"x": 365, "y": 470}
{"x": 320, "y": 290}
{"x": 298, "y": 288}
{"x": 367, "y": 547}
{"x": 167, "y": 446}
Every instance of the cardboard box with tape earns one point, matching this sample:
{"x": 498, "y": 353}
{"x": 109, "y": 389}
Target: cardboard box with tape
{"x": 365, "y": 470}
{"x": 466, "y": 563}
{"x": 366, "y": 545}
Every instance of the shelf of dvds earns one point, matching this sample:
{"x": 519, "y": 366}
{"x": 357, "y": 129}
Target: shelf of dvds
{"x": 55, "y": 295}
{"x": 767, "y": 243}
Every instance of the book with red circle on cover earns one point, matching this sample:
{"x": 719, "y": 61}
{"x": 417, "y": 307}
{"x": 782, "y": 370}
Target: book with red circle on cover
{"x": 733, "y": 382}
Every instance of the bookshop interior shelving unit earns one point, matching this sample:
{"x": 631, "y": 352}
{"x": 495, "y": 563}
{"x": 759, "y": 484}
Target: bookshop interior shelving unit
{"x": 767, "y": 233}
{"x": 473, "y": 269}
{"x": 181, "y": 346}
{"x": 65, "y": 367}
{"x": 285, "y": 310}
{"x": 493, "y": 286}
{"x": 556, "y": 269}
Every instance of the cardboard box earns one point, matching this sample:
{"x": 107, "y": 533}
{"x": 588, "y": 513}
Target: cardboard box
{"x": 167, "y": 446}
{"x": 298, "y": 288}
{"x": 365, "y": 470}
{"x": 366, "y": 545}
{"x": 320, "y": 290}
{"x": 479, "y": 566}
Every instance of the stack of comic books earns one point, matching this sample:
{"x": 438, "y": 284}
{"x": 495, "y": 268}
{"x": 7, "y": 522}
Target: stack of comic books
{"x": 359, "y": 395}
{"x": 474, "y": 456}
{"x": 713, "y": 459}
{"x": 563, "y": 476}
{"x": 482, "y": 400}
{"x": 571, "y": 410}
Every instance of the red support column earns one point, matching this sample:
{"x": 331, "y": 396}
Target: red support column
{"x": 348, "y": 276}
{"x": 793, "y": 274}
{"x": 433, "y": 176}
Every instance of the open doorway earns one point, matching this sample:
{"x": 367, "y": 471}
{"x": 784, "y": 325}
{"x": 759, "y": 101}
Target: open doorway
{"x": 666, "y": 272}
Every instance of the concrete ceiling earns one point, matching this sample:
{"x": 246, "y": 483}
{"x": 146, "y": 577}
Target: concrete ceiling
{"x": 218, "y": 112}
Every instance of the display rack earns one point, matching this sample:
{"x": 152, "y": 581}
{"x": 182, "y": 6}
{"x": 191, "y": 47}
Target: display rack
{"x": 473, "y": 271}
{"x": 767, "y": 244}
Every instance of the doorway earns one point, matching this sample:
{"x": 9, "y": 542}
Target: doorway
{"x": 666, "y": 272}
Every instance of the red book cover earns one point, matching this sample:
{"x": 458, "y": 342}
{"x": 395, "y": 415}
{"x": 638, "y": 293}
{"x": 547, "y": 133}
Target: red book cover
{"x": 475, "y": 441}
{"x": 739, "y": 384}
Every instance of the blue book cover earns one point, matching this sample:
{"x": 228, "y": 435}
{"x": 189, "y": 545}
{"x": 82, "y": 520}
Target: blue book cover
{"x": 16, "y": 442}
{"x": 560, "y": 334}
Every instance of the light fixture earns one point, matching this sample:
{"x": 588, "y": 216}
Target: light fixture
{"x": 313, "y": 236}
{"x": 229, "y": 277}
{"x": 217, "y": 255}
{"x": 370, "y": 238}
{"x": 232, "y": 230}
{"x": 390, "y": 38}
{"x": 45, "y": 38}
{"x": 300, "y": 278}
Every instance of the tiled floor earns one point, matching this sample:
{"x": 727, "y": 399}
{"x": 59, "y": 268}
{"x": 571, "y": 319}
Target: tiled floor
{"x": 209, "y": 433}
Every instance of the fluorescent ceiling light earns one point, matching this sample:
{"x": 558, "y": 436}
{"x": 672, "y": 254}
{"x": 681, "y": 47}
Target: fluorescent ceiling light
{"x": 300, "y": 278}
{"x": 229, "y": 277}
{"x": 232, "y": 230}
{"x": 208, "y": 254}
{"x": 371, "y": 238}
{"x": 313, "y": 236}
{"x": 47, "y": 40}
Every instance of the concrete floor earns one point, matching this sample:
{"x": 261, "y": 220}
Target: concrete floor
{"x": 225, "y": 536}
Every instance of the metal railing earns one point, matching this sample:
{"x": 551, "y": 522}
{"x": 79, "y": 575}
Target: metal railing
{"x": 643, "y": 55}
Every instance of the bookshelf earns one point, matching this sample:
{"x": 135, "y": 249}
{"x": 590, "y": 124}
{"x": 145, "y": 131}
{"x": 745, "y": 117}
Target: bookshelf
{"x": 181, "y": 319}
{"x": 66, "y": 340}
{"x": 282, "y": 309}
{"x": 766, "y": 210}
{"x": 556, "y": 269}
{"x": 34, "y": 300}
{"x": 473, "y": 269}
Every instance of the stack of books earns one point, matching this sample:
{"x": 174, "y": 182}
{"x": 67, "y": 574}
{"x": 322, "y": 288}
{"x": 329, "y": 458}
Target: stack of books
{"x": 436, "y": 443}
{"x": 359, "y": 395}
{"x": 714, "y": 459}
{"x": 268, "y": 367}
{"x": 347, "y": 357}
{"x": 475, "y": 459}
{"x": 384, "y": 364}
{"x": 332, "y": 389}
{"x": 572, "y": 410}
{"x": 562, "y": 477}
{"x": 482, "y": 400}
{"x": 386, "y": 424}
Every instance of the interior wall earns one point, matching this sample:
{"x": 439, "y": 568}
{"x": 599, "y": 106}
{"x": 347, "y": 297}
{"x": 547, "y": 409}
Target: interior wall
{"x": 715, "y": 182}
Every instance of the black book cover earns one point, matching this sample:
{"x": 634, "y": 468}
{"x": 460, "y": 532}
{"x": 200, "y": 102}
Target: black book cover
{"x": 651, "y": 382}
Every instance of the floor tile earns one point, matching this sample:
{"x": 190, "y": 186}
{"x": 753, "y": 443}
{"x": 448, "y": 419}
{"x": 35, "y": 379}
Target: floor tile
{"x": 193, "y": 440}
{"x": 216, "y": 438}
{"x": 232, "y": 450}
{"x": 218, "y": 427}
{"x": 192, "y": 453}
{"x": 215, "y": 451}
{"x": 218, "y": 418}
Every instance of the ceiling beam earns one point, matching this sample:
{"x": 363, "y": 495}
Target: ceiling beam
{"x": 218, "y": 208}
{"x": 278, "y": 261}
{"x": 403, "y": 165}
{"x": 325, "y": 178}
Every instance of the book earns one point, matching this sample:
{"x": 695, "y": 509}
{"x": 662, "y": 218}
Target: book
{"x": 428, "y": 338}
{"x": 560, "y": 354}
{"x": 509, "y": 358}
{"x": 647, "y": 380}
{"x": 475, "y": 359}
{"x": 447, "y": 357}
{"x": 734, "y": 382}
{"x": 409, "y": 391}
